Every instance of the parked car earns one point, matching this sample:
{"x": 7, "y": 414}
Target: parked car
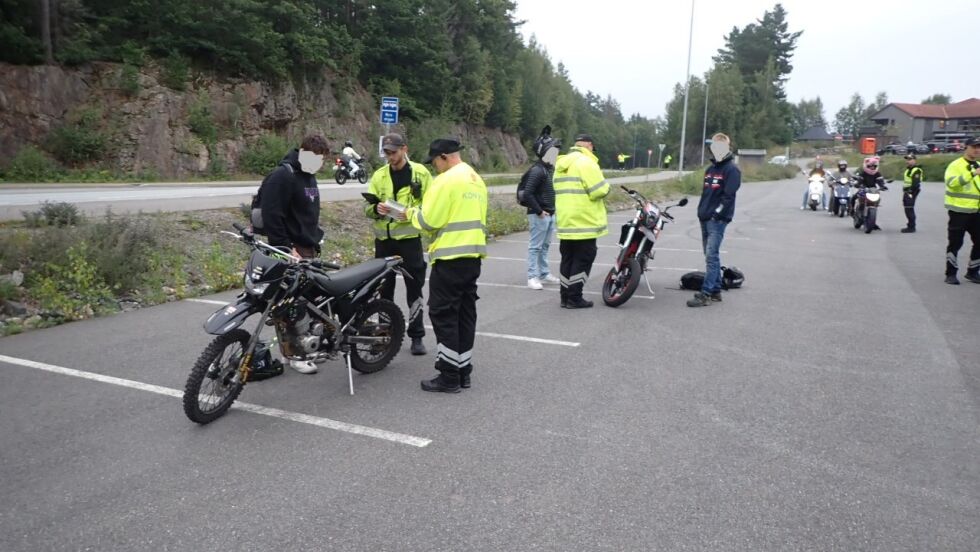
{"x": 894, "y": 149}
{"x": 954, "y": 147}
{"x": 922, "y": 148}
{"x": 935, "y": 147}
{"x": 779, "y": 160}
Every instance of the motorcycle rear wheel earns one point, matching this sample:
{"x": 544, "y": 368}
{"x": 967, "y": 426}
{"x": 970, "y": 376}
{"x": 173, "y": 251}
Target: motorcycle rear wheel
{"x": 340, "y": 177}
{"x": 213, "y": 384}
{"x": 618, "y": 287}
{"x": 380, "y": 318}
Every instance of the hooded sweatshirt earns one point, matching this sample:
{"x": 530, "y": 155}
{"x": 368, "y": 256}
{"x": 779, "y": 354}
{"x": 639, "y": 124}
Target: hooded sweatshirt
{"x": 721, "y": 182}
{"x": 290, "y": 203}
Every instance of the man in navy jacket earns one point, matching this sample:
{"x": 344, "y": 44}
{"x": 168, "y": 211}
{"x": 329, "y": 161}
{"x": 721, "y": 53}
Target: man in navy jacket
{"x": 715, "y": 210}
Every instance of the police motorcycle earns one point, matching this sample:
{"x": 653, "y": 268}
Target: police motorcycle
{"x": 841, "y": 196}
{"x": 865, "y": 210}
{"x": 318, "y": 311}
{"x": 342, "y": 171}
{"x": 636, "y": 241}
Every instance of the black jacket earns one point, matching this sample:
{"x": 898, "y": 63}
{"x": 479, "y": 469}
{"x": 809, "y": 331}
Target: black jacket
{"x": 870, "y": 180}
{"x": 290, "y": 203}
{"x": 721, "y": 182}
{"x": 539, "y": 188}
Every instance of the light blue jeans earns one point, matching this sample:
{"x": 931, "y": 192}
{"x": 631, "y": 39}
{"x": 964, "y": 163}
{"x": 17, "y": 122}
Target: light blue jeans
{"x": 712, "y": 232}
{"x": 541, "y": 228}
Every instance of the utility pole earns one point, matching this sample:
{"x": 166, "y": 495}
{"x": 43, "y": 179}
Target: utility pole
{"x": 687, "y": 90}
{"x": 46, "y": 31}
{"x": 704, "y": 129}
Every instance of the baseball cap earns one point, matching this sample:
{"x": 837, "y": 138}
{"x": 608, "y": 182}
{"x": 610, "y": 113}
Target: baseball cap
{"x": 392, "y": 142}
{"x": 584, "y": 137}
{"x": 910, "y": 156}
{"x": 442, "y": 146}
{"x": 975, "y": 141}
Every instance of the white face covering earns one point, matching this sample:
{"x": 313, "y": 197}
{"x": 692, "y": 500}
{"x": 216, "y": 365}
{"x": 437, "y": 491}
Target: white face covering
{"x": 719, "y": 150}
{"x": 550, "y": 156}
{"x": 310, "y": 162}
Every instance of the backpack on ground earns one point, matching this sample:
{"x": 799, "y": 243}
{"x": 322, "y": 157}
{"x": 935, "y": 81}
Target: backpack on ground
{"x": 255, "y": 217}
{"x": 731, "y": 278}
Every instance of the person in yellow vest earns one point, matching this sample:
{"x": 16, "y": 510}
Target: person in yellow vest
{"x": 621, "y": 159}
{"x": 404, "y": 182}
{"x": 911, "y": 187}
{"x": 579, "y": 192}
{"x": 667, "y": 161}
{"x": 454, "y": 215}
{"x": 963, "y": 204}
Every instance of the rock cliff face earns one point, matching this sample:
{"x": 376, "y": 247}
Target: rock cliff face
{"x": 150, "y": 131}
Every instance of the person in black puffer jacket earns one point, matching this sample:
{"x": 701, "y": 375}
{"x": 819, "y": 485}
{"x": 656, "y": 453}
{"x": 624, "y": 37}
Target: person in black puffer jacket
{"x": 539, "y": 196}
{"x": 290, "y": 199}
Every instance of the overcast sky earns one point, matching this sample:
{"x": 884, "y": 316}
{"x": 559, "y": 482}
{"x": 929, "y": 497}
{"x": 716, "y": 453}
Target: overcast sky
{"x": 920, "y": 48}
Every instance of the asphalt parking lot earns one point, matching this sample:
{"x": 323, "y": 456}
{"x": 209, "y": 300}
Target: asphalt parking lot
{"x": 833, "y": 403}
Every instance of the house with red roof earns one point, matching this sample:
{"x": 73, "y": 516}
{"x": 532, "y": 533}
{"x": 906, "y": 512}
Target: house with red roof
{"x": 921, "y": 123}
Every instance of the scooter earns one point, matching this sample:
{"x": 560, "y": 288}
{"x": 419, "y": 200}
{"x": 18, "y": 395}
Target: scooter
{"x": 841, "y": 196}
{"x": 816, "y": 191}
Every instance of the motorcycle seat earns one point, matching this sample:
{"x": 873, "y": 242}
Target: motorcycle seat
{"x": 343, "y": 281}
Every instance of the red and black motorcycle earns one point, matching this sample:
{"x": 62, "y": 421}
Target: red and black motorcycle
{"x": 636, "y": 241}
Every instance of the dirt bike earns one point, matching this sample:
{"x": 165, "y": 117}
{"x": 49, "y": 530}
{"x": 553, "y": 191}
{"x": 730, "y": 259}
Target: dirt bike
{"x": 865, "y": 212}
{"x": 317, "y": 314}
{"x": 636, "y": 241}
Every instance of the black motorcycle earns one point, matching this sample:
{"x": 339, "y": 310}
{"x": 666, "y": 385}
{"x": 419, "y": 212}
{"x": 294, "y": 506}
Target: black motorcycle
{"x": 317, "y": 314}
{"x": 636, "y": 241}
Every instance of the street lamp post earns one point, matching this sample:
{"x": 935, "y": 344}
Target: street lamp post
{"x": 687, "y": 89}
{"x": 704, "y": 129}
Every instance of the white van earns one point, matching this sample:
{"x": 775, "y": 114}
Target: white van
{"x": 779, "y": 160}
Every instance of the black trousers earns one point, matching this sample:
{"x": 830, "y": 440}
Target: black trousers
{"x": 411, "y": 251}
{"x": 959, "y": 225}
{"x": 908, "y": 201}
{"x": 452, "y": 310}
{"x": 577, "y": 257}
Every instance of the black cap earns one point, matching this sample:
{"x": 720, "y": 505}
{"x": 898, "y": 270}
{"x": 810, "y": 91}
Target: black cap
{"x": 910, "y": 156}
{"x": 972, "y": 141}
{"x": 584, "y": 137}
{"x": 392, "y": 142}
{"x": 442, "y": 146}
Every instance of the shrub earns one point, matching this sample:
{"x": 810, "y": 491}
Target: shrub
{"x": 31, "y": 165}
{"x": 121, "y": 249}
{"x": 201, "y": 121}
{"x": 129, "y": 80}
{"x": 53, "y": 214}
{"x": 264, "y": 154}
{"x": 79, "y": 140}
{"x": 73, "y": 290}
{"x": 175, "y": 72}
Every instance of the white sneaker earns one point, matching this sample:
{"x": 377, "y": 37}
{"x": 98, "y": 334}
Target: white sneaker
{"x": 551, "y": 279}
{"x": 802, "y": 208}
{"x": 303, "y": 366}
{"x": 534, "y": 283}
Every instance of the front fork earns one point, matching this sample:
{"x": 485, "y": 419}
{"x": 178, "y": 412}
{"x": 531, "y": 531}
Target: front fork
{"x": 245, "y": 366}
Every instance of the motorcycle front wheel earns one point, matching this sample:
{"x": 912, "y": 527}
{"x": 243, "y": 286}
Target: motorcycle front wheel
{"x": 362, "y": 177}
{"x": 619, "y": 286}
{"x": 213, "y": 384}
{"x": 340, "y": 177}
{"x": 869, "y": 222}
{"x": 380, "y": 319}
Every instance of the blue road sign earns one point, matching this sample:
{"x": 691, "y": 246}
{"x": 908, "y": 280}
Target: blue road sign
{"x": 389, "y": 110}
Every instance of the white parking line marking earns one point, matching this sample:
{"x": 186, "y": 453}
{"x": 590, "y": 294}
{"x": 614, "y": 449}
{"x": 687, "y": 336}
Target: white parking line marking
{"x": 593, "y": 264}
{"x": 248, "y": 407}
{"x": 485, "y": 334}
{"x": 524, "y": 287}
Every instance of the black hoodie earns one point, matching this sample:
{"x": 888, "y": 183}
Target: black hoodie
{"x": 290, "y": 203}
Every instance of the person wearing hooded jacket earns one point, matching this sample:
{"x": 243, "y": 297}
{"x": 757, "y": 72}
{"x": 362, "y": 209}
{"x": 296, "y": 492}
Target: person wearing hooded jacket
{"x": 580, "y": 189}
{"x": 869, "y": 177}
{"x": 715, "y": 210}
{"x": 290, "y": 202}
{"x": 539, "y": 196}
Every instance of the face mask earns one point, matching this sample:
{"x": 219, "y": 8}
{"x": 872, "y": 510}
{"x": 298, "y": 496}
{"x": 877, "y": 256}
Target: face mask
{"x": 310, "y": 162}
{"x": 719, "y": 150}
{"x": 550, "y": 156}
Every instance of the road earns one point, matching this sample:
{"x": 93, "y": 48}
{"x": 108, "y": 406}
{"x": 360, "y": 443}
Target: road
{"x": 94, "y": 200}
{"x": 833, "y": 403}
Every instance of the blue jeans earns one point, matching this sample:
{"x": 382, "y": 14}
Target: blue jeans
{"x": 541, "y": 229}
{"x": 712, "y": 232}
{"x": 806, "y": 196}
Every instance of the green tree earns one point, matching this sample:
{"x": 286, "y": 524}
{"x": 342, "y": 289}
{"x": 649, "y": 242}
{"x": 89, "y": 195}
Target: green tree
{"x": 850, "y": 117}
{"x": 808, "y": 114}
{"x": 938, "y": 99}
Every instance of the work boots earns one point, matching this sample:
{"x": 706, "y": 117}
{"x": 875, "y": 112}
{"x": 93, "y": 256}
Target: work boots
{"x": 445, "y": 382}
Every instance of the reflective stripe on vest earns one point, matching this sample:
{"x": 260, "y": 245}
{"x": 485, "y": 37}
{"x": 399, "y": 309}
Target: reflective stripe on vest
{"x": 910, "y": 175}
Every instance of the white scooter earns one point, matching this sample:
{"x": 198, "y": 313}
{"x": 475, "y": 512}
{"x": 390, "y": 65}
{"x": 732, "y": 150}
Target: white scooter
{"x": 815, "y": 191}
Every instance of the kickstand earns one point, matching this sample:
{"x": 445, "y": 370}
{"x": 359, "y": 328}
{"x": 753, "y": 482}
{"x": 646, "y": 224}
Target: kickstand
{"x": 645, "y": 280}
{"x": 350, "y": 372}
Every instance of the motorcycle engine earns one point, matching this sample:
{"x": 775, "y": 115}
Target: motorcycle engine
{"x": 300, "y": 335}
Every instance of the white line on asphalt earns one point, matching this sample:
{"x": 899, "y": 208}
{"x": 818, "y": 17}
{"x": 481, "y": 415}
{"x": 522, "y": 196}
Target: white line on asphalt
{"x": 485, "y": 334}
{"x": 617, "y": 247}
{"x": 593, "y": 264}
{"x": 248, "y": 407}
{"x": 514, "y": 286}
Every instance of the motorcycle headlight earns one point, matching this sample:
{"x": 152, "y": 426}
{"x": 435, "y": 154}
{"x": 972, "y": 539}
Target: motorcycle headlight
{"x": 252, "y": 287}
